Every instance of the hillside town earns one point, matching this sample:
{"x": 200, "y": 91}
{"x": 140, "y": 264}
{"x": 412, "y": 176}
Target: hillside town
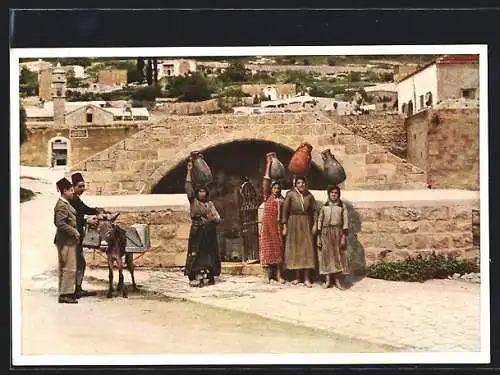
{"x": 270, "y": 135}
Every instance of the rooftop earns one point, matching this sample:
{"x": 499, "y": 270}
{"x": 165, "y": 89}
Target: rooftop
{"x": 445, "y": 59}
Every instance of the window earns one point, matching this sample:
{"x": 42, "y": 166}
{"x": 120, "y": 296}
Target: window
{"x": 414, "y": 136}
{"x": 469, "y": 93}
{"x": 404, "y": 108}
{"x": 89, "y": 117}
{"x": 428, "y": 99}
{"x": 59, "y": 92}
{"x": 421, "y": 101}
{"x": 410, "y": 108}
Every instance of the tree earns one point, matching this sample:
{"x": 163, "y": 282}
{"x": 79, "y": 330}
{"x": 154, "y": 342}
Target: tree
{"x": 193, "y": 87}
{"x": 354, "y": 76}
{"x": 149, "y": 72}
{"x": 71, "y": 80}
{"x": 155, "y": 70}
{"x": 134, "y": 76}
{"x": 140, "y": 69}
{"x": 236, "y": 72}
{"x": 28, "y": 82}
{"x": 23, "y": 131}
{"x": 331, "y": 61}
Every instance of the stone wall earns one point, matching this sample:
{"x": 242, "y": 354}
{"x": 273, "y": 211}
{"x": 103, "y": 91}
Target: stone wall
{"x": 409, "y": 229}
{"x": 138, "y": 163}
{"x": 452, "y": 139}
{"x": 417, "y": 129}
{"x": 379, "y": 228}
{"x": 188, "y": 108}
{"x": 384, "y": 129}
{"x": 35, "y": 151}
{"x": 452, "y": 78}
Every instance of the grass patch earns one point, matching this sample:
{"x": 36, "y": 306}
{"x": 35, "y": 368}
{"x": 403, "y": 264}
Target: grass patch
{"x": 421, "y": 268}
{"x": 26, "y": 195}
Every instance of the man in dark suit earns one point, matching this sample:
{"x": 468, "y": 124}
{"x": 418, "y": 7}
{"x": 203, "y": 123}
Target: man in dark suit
{"x": 66, "y": 240}
{"x": 81, "y": 210}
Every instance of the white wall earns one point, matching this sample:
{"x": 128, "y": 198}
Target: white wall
{"x": 419, "y": 84}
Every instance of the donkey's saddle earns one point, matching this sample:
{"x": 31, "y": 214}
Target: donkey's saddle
{"x": 137, "y": 238}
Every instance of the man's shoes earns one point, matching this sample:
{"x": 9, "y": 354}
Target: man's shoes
{"x": 79, "y": 292}
{"x": 67, "y": 299}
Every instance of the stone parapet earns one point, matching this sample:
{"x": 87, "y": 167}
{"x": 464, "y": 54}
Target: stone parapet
{"x": 383, "y": 225}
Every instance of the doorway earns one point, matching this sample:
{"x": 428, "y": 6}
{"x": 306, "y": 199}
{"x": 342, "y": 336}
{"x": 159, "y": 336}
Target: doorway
{"x": 59, "y": 152}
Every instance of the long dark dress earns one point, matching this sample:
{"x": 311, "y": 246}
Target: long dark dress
{"x": 203, "y": 249}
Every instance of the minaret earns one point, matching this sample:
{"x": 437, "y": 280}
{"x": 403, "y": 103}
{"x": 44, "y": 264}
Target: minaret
{"x": 59, "y": 94}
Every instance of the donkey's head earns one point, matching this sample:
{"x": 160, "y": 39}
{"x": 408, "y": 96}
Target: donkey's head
{"x": 104, "y": 224}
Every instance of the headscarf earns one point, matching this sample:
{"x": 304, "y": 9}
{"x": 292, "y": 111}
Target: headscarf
{"x": 197, "y": 190}
{"x": 329, "y": 189}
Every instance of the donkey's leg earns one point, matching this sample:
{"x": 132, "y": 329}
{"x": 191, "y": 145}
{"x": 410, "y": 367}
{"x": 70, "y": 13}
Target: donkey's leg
{"x": 129, "y": 257}
{"x": 121, "y": 284}
{"x": 110, "y": 275}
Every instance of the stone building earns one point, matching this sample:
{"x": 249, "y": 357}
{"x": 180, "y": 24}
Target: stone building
{"x": 112, "y": 77}
{"x": 384, "y": 96}
{"x": 174, "y": 68}
{"x": 271, "y": 92}
{"x": 57, "y": 126}
{"x": 448, "y": 77}
{"x": 45, "y": 84}
{"x": 445, "y": 143}
{"x": 36, "y": 66}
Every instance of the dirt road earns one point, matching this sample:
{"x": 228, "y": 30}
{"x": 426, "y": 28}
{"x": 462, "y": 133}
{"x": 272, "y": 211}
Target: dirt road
{"x": 143, "y": 323}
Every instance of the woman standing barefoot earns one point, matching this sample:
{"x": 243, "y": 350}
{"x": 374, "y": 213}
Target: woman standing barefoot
{"x": 299, "y": 227}
{"x": 271, "y": 243}
{"x": 332, "y": 227}
{"x": 203, "y": 259}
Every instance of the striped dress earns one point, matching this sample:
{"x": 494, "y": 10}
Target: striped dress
{"x": 270, "y": 241}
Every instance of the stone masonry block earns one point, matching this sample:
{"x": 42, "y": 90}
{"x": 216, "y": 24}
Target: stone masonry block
{"x": 401, "y": 214}
{"x": 463, "y": 239}
{"x": 460, "y": 212}
{"x": 441, "y": 241}
{"x": 408, "y": 226}
{"x": 435, "y": 213}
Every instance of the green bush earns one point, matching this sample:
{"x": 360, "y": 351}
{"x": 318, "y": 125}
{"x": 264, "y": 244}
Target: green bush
{"x": 26, "y": 195}
{"x": 421, "y": 268}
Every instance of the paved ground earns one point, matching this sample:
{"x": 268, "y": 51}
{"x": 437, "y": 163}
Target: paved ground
{"x": 438, "y": 315}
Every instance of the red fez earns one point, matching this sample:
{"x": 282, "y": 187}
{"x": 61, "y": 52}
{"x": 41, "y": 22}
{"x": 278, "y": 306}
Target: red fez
{"x": 63, "y": 184}
{"x": 76, "y": 178}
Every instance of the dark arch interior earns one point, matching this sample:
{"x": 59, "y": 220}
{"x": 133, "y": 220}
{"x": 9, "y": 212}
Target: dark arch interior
{"x": 229, "y": 163}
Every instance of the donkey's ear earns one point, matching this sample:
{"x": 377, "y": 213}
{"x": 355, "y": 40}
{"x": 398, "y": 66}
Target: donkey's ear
{"x": 113, "y": 218}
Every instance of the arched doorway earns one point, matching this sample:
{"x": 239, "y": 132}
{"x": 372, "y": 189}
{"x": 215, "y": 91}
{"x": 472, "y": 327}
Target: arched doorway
{"x": 59, "y": 148}
{"x": 230, "y": 164}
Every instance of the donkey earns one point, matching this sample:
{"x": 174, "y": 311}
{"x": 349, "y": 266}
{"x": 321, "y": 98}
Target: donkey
{"x": 113, "y": 242}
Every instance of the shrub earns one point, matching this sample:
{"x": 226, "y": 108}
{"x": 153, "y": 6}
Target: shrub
{"x": 421, "y": 268}
{"x": 26, "y": 195}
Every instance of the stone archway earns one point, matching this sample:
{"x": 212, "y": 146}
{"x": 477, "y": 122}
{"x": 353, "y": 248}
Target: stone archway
{"x": 59, "y": 152}
{"x": 232, "y": 163}
{"x": 176, "y": 156}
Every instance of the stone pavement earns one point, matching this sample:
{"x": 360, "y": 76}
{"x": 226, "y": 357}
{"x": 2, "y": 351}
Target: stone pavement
{"x": 438, "y": 315}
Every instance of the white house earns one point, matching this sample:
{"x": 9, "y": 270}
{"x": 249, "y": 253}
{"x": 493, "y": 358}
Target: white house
{"x": 448, "y": 77}
{"x": 173, "y": 68}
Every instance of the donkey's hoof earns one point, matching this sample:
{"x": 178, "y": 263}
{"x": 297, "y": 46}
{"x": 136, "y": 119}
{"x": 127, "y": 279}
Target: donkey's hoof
{"x": 125, "y": 295}
{"x": 110, "y": 294}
